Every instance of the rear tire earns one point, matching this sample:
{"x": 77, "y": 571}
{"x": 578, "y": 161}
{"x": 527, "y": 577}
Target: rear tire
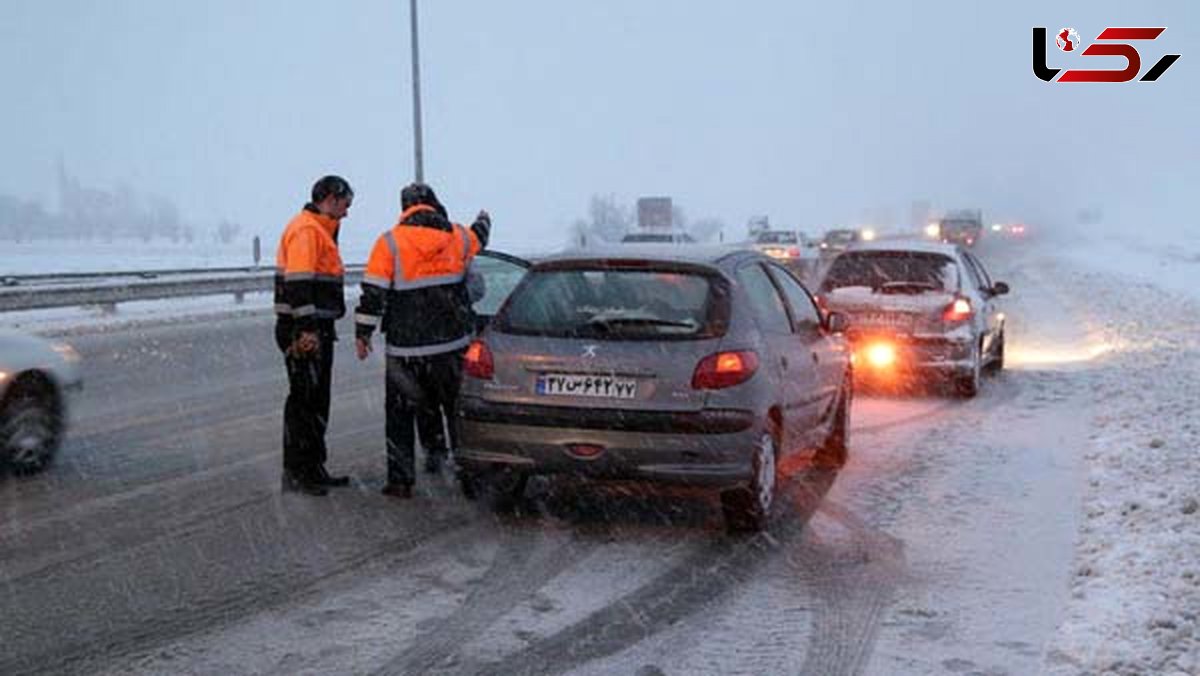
{"x": 749, "y": 509}
{"x": 31, "y": 425}
{"x": 966, "y": 385}
{"x": 835, "y": 450}
{"x": 501, "y": 489}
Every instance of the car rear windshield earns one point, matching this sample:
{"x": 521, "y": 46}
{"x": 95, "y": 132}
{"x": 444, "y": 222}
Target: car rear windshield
{"x": 605, "y": 303}
{"x": 778, "y": 238}
{"x": 897, "y": 271}
{"x": 648, "y": 237}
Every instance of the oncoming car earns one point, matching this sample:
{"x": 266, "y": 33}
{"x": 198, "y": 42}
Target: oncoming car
{"x": 917, "y": 308}
{"x": 35, "y": 379}
{"x": 703, "y": 368}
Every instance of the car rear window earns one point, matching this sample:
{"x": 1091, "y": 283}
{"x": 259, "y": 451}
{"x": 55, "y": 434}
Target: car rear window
{"x": 778, "y": 238}
{"x": 648, "y": 238}
{"x": 910, "y": 271}
{"x": 603, "y": 303}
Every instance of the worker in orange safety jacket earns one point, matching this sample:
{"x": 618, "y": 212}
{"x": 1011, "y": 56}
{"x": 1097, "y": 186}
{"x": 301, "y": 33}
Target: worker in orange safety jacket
{"x": 416, "y": 286}
{"x": 308, "y": 300}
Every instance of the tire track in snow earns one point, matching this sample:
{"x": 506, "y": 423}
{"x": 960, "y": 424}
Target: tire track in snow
{"x": 700, "y": 580}
{"x": 526, "y": 562}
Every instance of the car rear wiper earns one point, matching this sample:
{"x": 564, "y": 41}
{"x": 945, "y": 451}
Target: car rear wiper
{"x": 902, "y": 287}
{"x": 614, "y": 322}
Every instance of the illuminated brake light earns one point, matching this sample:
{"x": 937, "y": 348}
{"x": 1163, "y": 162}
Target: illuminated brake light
{"x": 881, "y": 355}
{"x": 958, "y": 311}
{"x": 724, "y": 369}
{"x": 793, "y": 252}
{"x": 477, "y": 362}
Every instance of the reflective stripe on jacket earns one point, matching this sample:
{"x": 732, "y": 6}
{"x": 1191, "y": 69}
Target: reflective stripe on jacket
{"x": 415, "y": 283}
{"x": 308, "y": 272}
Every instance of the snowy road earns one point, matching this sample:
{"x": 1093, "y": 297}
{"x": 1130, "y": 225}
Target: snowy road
{"x": 161, "y": 544}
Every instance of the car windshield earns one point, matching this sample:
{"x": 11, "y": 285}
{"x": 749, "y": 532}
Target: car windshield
{"x": 892, "y": 271}
{"x": 614, "y": 304}
{"x": 841, "y": 236}
{"x": 778, "y": 238}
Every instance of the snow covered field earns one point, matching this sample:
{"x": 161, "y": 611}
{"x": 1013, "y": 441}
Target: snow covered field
{"x": 1134, "y": 606}
{"x": 42, "y": 257}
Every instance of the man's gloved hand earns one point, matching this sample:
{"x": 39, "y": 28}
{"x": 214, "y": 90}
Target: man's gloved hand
{"x": 362, "y": 346}
{"x": 305, "y": 344}
{"x": 482, "y": 227}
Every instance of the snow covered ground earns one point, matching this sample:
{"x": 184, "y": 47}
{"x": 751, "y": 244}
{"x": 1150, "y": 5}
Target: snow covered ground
{"x": 939, "y": 564}
{"x": 1134, "y": 606}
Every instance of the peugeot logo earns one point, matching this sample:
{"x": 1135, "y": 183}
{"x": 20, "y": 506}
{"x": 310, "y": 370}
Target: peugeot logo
{"x": 589, "y": 350}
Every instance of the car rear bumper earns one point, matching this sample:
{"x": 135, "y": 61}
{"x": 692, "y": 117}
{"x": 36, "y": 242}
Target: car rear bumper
{"x": 913, "y": 355}
{"x": 706, "y": 448}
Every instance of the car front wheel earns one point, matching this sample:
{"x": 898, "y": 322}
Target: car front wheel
{"x": 833, "y": 453}
{"x": 30, "y": 426}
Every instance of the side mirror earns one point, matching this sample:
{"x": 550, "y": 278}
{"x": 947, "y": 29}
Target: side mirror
{"x": 836, "y": 322}
{"x": 999, "y": 289}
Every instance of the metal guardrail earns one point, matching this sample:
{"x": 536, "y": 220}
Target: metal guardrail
{"x": 34, "y": 292}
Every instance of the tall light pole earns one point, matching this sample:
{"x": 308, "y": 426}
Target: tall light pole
{"x": 418, "y": 153}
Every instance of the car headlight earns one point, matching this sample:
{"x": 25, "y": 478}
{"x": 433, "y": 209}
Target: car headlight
{"x": 67, "y": 352}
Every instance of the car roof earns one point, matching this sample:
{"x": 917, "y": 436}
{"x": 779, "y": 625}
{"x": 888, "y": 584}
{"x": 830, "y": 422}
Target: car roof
{"x": 704, "y": 254}
{"x": 906, "y": 245}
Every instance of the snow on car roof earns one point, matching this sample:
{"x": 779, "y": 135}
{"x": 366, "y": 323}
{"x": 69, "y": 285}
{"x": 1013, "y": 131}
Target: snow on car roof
{"x": 693, "y": 253}
{"x": 913, "y": 245}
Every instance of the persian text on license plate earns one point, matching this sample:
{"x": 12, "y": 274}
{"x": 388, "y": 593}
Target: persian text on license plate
{"x": 889, "y": 319}
{"x": 553, "y": 384}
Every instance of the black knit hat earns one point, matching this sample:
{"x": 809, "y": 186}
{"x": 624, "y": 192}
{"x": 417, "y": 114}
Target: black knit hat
{"x": 331, "y": 185}
{"x": 420, "y": 193}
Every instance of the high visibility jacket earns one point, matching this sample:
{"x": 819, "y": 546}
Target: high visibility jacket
{"x": 308, "y": 272}
{"x": 415, "y": 282}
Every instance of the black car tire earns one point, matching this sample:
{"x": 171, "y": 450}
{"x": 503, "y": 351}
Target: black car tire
{"x": 500, "y": 489}
{"x": 833, "y": 453}
{"x": 31, "y": 425}
{"x": 966, "y": 385}
{"x": 997, "y": 364}
{"x": 748, "y": 510}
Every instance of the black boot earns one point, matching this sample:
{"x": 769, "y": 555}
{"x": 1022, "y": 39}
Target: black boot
{"x": 324, "y": 478}
{"x": 294, "y": 482}
{"x": 433, "y": 462}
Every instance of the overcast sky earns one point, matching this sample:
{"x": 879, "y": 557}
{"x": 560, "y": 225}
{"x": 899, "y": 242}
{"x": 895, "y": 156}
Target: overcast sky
{"x": 812, "y": 113}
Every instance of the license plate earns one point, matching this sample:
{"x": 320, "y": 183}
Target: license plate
{"x": 569, "y": 385}
{"x": 891, "y": 320}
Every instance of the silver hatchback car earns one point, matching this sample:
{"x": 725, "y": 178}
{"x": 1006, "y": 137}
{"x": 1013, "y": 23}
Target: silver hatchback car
{"x": 703, "y": 367}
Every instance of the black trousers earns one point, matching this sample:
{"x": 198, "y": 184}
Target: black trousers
{"x": 423, "y": 390}
{"x": 306, "y": 411}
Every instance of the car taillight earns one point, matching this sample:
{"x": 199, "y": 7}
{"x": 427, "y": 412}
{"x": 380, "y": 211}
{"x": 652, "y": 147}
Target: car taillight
{"x": 724, "y": 369}
{"x": 477, "y": 362}
{"x": 958, "y": 311}
{"x": 793, "y": 252}
{"x": 880, "y": 355}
